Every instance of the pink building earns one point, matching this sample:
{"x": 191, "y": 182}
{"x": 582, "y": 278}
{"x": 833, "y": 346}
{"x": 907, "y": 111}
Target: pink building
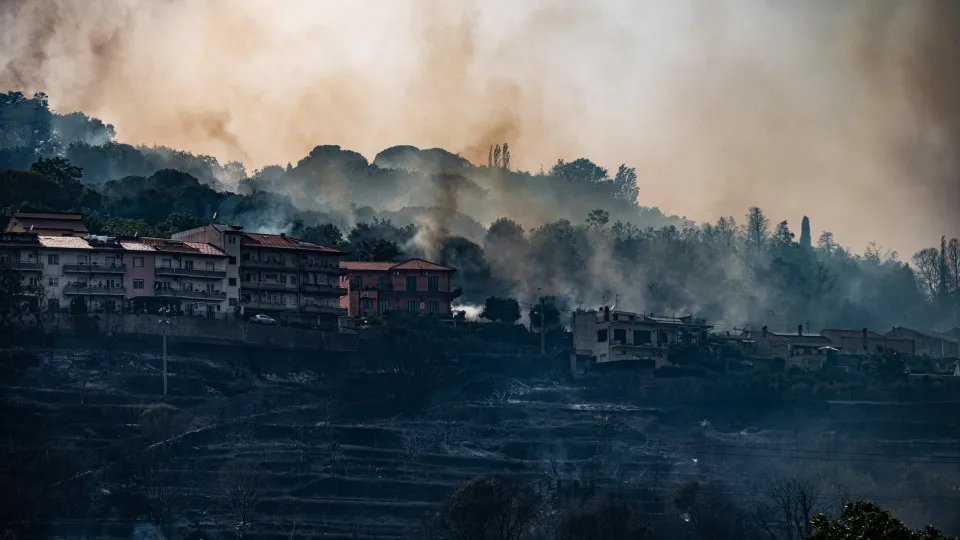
{"x": 414, "y": 286}
{"x": 138, "y": 280}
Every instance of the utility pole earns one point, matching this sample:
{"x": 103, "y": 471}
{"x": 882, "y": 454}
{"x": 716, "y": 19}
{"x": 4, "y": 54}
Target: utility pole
{"x": 543, "y": 330}
{"x": 164, "y": 325}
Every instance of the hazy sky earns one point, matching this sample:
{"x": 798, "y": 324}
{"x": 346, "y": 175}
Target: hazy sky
{"x": 844, "y": 111}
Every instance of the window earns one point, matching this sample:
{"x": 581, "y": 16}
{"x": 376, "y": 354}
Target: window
{"x": 232, "y": 260}
{"x": 53, "y": 259}
{"x": 162, "y": 285}
{"x": 283, "y": 279}
{"x": 231, "y": 239}
{"x": 433, "y": 283}
{"x": 53, "y": 282}
{"x": 166, "y": 263}
{"x": 620, "y": 335}
{"x": 433, "y": 307}
{"x": 641, "y": 337}
{"x": 138, "y": 284}
{"x": 366, "y": 303}
{"x": 53, "y": 303}
{"x": 247, "y": 277}
{"x": 411, "y": 283}
{"x": 233, "y": 302}
{"x": 188, "y": 265}
{"x": 382, "y": 283}
{"x": 384, "y": 306}
{"x": 138, "y": 261}
{"x": 412, "y": 306}
{"x": 210, "y": 265}
{"x": 82, "y": 259}
{"x": 357, "y": 283}
{"x": 601, "y": 336}
{"x": 232, "y": 282}
{"x": 210, "y": 287}
{"x": 293, "y": 280}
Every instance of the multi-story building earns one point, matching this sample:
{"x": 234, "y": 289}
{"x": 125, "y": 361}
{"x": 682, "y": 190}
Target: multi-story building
{"x": 139, "y": 277}
{"x": 86, "y": 274}
{"x": 610, "y": 336}
{"x": 189, "y": 277}
{"x": 227, "y": 238}
{"x": 48, "y": 224}
{"x": 928, "y": 342}
{"x": 415, "y": 286}
{"x": 278, "y": 275}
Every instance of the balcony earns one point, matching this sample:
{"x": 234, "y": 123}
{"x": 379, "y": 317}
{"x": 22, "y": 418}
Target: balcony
{"x": 264, "y": 306}
{"x": 268, "y": 286}
{"x": 331, "y": 269}
{"x": 190, "y": 272}
{"x": 318, "y": 288}
{"x": 94, "y": 291}
{"x": 22, "y": 266}
{"x": 94, "y": 269}
{"x": 273, "y": 265}
{"x": 192, "y": 295}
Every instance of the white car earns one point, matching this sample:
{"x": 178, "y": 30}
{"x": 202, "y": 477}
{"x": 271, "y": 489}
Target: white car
{"x": 262, "y": 319}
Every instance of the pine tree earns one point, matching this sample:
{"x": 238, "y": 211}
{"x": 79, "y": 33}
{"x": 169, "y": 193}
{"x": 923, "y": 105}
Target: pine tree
{"x": 505, "y": 158}
{"x": 806, "y": 240}
{"x": 496, "y": 156}
{"x": 942, "y": 289}
{"x": 490, "y": 158}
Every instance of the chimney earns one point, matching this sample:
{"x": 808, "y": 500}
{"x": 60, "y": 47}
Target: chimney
{"x": 764, "y": 330}
{"x": 799, "y": 329}
{"x": 866, "y": 343}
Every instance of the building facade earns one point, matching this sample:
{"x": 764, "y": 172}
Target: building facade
{"x": 21, "y": 253}
{"x": 277, "y": 275}
{"x": 928, "y": 343}
{"x": 614, "y": 336}
{"x": 865, "y": 342}
{"x": 414, "y": 286}
{"x": 189, "y": 277}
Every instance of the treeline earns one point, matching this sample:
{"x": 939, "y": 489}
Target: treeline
{"x": 574, "y": 232}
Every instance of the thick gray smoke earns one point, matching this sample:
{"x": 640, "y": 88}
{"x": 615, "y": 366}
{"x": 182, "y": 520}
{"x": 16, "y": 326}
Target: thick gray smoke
{"x": 845, "y": 111}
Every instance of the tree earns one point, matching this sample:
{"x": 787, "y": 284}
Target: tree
{"x": 603, "y": 518}
{"x": 497, "y": 152}
{"x": 490, "y": 158}
{"x": 60, "y": 170}
{"x": 505, "y": 158}
{"x": 129, "y": 227}
{"x": 598, "y": 218}
{"x": 551, "y": 314}
{"x": 805, "y": 239}
{"x": 782, "y": 236}
{"x": 926, "y": 266}
{"x": 943, "y": 280}
{"x": 794, "y": 501}
{"x": 490, "y": 508}
{"x": 757, "y": 228}
{"x": 826, "y": 243}
{"x": 179, "y": 222}
{"x": 625, "y": 184}
{"x": 506, "y": 310}
{"x": 863, "y": 520}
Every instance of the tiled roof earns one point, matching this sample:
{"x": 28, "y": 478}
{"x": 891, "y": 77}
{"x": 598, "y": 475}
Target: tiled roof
{"x": 926, "y": 333}
{"x": 276, "y": 241}
{"x": 797, "y": 338}
{"x": 64, "y": 242}
{"x": 854, "y": 333}
{"x": 371, "y": 266}
{"x": 227, "y": 228}
{"x": 49, "y": 215}
{"x": 135, "y": 245}
{"x": 420, "y": 264}
{"x": 411, "y": 264}
{"x": 164, "y": 245}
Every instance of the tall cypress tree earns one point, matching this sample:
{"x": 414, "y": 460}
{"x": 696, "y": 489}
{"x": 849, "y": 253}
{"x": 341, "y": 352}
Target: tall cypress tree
{"x": 805, "y": 239}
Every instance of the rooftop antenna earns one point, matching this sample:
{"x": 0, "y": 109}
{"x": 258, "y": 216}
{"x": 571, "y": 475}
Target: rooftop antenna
{"x": 31, "y": 227}
{"x": 214, "y": 218}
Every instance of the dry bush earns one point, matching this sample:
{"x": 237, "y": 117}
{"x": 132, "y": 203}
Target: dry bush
{"x": 607, "y": 518}
{"x": 161, "y": 421}
{"x": 491, "y": 508}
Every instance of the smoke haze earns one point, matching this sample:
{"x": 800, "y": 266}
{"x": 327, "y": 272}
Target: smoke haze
{"x": 844, "y": 111}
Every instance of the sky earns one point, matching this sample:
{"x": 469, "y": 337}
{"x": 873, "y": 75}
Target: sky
{"x": 841, "y": 110}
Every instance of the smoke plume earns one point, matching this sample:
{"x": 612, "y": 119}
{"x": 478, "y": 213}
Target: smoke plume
{"x": 844, "y": 111}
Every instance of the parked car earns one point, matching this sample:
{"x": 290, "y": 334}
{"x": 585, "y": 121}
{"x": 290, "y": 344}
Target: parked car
{"x": 263, "y": 319}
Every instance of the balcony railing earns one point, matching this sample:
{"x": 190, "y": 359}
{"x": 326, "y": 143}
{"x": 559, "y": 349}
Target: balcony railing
{"x": 190, "y": 272}
{"x": 268, "y": 286}
{"x": 193, "y": 295}
{"x": 285, "y": 265}
{"x": 94, "y": 291}
{"x": 291, "y": 308}
{"x": 323, "y": 289}
{"x": 94, "y": 268}
{"x": 333, "y": 269}
{"x": 22, "y": 265}
{"x": 324, "y": 310}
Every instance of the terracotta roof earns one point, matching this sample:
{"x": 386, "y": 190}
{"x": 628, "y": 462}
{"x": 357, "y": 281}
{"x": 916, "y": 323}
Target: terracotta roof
{"x": 164, "y": 245}
{"x": 135, "y": 245}
{"x": 276, "y": 241}
{"x": 411, "y": 264}
{"x": 64, "y": 242}
{"x": 420, "y": 264}
{"x": 362, "y": 265}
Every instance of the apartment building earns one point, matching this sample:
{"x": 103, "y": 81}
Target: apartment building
{"x": 20, "y": 252}
{"x": 278, "y": 275}
{"x": 188, "y": 277}
{"x": 611, "y": 336}
{"x": 415, "y": 286}
{"x": 83, "y": 273}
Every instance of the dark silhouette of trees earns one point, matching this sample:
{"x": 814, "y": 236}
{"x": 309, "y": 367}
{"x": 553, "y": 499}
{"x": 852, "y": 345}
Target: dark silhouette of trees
{"x": 862, "y": 519}
{"x": 490, "y": 508}
{"x": 805, "y": 238}
{"x": 497, "y": 309}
